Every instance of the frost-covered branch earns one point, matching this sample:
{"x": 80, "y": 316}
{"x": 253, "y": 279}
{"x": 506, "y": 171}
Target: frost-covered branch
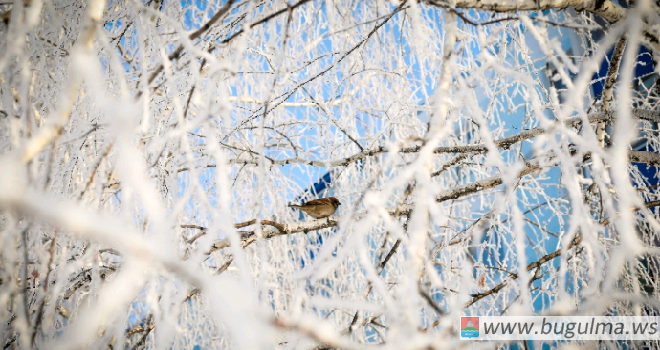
{"x": 502, "y": 143}
{"x": 532, "y": 266}
{"x": 148, "y": 151}
{"x": 610, "y": 11}
{"x": 249, "y": 237}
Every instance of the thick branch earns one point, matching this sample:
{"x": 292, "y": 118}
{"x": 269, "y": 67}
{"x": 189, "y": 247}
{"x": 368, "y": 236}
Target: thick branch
{"x": 649, "y": 158}
{"x": 651, "y": 204}
{"x": 606, "y": 9}
{"x": 612, "y": 74}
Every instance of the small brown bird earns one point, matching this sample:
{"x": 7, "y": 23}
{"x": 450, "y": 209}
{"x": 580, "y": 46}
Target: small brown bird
{"x": 319, "y": 208}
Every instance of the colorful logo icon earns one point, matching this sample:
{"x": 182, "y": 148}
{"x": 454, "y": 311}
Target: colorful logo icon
{"x": 469, "y": 327}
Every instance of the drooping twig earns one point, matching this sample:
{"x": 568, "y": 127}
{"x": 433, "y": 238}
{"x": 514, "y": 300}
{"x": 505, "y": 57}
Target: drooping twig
{"x": 285, "y": 96}
{"x": 192, "y": 36}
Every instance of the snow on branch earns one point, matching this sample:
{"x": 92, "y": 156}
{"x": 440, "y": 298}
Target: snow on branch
{"x": 503, "y": 143}
{"x": 148, "y": 151}
{"x": 607, "y": 9}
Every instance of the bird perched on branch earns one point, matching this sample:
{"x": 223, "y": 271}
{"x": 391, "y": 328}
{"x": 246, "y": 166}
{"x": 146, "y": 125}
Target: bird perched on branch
{"x": 319, "y": 208}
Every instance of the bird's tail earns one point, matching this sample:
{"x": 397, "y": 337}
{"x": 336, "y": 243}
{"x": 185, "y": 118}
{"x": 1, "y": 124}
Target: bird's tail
{"x": 294, "y": 206}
